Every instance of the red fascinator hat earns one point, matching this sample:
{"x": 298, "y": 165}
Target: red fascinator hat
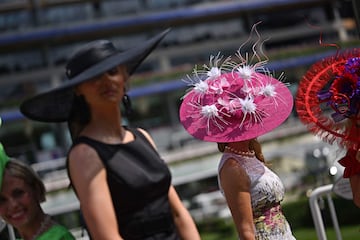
{"x": 233, "y": 101}
{"x": 328, "y": 99}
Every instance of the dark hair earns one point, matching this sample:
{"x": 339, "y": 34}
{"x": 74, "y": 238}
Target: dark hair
{"x": 221, "y": 146}
{"x": 18, "y": 169}
{"x": 79, "y": 116}
{"x": 256, "y": 146}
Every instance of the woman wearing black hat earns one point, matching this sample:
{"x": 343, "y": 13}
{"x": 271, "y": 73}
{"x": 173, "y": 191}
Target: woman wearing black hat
{"x": 123, "y": 185}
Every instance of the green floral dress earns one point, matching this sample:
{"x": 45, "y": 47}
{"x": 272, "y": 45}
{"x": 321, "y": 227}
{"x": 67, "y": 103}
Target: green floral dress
{"x": 267, "y": 191}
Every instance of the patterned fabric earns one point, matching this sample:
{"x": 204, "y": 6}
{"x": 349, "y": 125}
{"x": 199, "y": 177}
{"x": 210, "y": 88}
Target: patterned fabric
{"x": 267, "y": 191}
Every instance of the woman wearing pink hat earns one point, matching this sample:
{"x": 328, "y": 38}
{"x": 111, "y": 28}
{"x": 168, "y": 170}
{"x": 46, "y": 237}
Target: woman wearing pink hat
{"x": 328, "y": 102}
{"x": 231, "y": 103}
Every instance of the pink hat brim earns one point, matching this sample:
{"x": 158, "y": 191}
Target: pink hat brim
{"x": 275, "y": 111}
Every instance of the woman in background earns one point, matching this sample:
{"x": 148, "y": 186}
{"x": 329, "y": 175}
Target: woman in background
{"x": 328, "y": 103}
{"x": 21, "y": 193}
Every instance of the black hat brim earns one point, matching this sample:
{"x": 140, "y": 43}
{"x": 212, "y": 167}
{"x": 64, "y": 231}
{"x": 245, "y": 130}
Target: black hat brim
{"x": 55, "y": 105}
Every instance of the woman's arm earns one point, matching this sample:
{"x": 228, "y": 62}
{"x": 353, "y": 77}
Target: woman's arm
{"x": 355, "y": 183}
{"x": 88, "y": 177}
{"x": 185, "y": 225}
{"x": 355, "y": 186}
{"x": 236, "y": 185}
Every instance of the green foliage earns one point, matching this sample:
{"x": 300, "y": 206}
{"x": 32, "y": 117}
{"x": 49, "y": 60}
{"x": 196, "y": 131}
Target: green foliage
{"x": 347, "y": 233}
{"x": 299, "y": 215}
{"x": 346, "y": 211}
{"x": 216, "y": 228}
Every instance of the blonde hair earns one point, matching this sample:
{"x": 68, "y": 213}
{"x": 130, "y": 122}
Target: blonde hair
{"x": 22, "y": 171}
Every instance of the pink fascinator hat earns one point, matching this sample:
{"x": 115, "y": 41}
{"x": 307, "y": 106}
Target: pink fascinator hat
{"x": 232, "y": 100}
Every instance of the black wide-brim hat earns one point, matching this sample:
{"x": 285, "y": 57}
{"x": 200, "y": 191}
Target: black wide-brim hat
{"x": 90, "y": 61}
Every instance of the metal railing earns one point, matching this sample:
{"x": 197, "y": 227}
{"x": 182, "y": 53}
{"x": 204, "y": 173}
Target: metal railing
{"x": 315, "y": 198}
{"x": 316, "y": 202}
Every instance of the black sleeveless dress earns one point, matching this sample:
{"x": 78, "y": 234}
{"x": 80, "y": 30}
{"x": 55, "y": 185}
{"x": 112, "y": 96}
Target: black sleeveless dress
{"x": 139, "y": 182}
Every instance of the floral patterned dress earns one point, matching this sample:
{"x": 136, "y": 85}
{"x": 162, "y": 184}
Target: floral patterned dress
{"x": 267, "y": 191}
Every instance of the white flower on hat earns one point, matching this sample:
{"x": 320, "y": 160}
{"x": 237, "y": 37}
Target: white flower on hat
{"x": 268, "y": 90}
{"x": 248, "y": 105}
{"x": 249, "y": 109}
{"x": 209, "y": 111}
{"x": 216, "y": 65}
{"x": 245, "y": 72}
{"x": 210, "y": 114}
{"x": 213, "y": 73}
{"x": 201, "y": 87}
{"x": 208, "y": 78}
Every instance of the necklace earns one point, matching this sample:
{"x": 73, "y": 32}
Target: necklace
{"x": 45, "y": 224}
{"x": 241, "y": 153}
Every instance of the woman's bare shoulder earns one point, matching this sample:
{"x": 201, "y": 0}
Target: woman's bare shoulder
{"x": 83, "y": 155}
{"x": 233, "y": 170}
{"x": 148, "y": 136}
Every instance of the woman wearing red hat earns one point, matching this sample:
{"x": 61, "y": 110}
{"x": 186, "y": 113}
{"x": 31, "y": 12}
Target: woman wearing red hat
{"x": 328, "y": 102}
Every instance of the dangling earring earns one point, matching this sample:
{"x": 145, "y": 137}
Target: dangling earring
{"x": 127, "y": 104}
